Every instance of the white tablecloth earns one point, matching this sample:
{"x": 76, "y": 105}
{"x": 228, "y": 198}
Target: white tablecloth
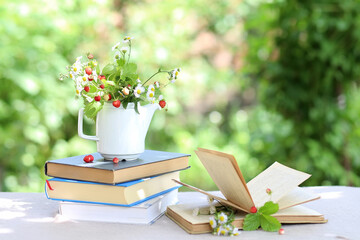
{"x": 29, "y": 216}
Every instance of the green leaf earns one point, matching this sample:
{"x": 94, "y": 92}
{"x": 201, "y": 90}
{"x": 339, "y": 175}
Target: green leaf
{"x": 269, "y": 223}
{"x": 251, "y": 222}
{"x": 124, "y": 104}
{"x": 120, "y": 62}
{"x": 91, "y": 109}
{"x": 269, "y": 208}
{"x": 108, "y": 69}
{"x": 131, "y": 67}
{"x": 136, "y": 108}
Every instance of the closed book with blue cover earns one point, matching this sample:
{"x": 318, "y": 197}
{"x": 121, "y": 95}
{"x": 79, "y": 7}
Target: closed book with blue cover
{"x": 150, "y": 163}
{"x": 122, "y": 194}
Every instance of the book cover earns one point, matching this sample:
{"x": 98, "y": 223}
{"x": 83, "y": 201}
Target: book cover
{"x": 150, "y": 163}
{"x": 122, "y": 194}
{"x": 144, "y": 213}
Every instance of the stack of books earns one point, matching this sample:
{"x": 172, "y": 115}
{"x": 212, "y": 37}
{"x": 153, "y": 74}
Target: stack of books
{"x": 135, "y": 191}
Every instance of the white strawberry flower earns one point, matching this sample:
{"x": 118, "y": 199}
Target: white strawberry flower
{"x": 150, "y": 95}
{"x": 124, "y": 49}
{"x": 151, "y": 88}
{"x": 235, "y": 232}
{"x": 222, "y": 231}
{"x": 223, "y": 218}
{"x": 78, "y": 59}
{"x": 76, "y": 68}
{"x": 78, "y": 90}
{"x": 213, "y": 222}
{"x": 139, "y": 89}
{"x": 116, "y": 46}
{"x": 127, "y": 39}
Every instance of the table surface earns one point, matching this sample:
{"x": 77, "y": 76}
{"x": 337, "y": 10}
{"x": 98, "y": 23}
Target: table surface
{"x": 32, "y": 216}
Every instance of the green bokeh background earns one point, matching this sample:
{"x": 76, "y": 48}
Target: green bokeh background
{"x": 263, "y": 80}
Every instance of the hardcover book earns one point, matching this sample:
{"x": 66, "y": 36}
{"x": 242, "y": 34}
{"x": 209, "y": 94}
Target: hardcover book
{"x": 283, "y": 181}
{"x": 122, "y": 194}
{"x": 145, "y": 213}
{"x": 150, "y": 163}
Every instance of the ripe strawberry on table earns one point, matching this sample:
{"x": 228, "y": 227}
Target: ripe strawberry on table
{"x": 89, "y": 158}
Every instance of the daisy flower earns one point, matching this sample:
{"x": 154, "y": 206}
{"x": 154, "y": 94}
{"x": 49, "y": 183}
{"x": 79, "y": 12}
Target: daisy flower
{"x": 139, "y": 89}
{"x": 222, "y": 218}
{"x": 127, "y": 39}
{"x": 116, "y": 46}
{"x": 213, "y": 222}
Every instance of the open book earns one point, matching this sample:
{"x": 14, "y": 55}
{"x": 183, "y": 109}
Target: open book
{"x": 283, "y": 181}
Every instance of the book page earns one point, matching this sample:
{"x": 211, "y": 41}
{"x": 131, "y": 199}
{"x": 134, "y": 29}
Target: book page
{"x": 220, "y": 199}
{"x": 296, "y": 197}
{"x": 225, "y": 172}
{"x": 280, "y": 179}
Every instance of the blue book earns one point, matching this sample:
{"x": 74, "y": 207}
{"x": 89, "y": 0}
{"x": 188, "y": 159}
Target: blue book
{"x": 125, "y": 194}
{"x": 150, "y": 163}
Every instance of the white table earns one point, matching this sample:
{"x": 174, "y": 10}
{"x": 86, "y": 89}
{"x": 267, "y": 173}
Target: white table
{"x": 28, "y": 216}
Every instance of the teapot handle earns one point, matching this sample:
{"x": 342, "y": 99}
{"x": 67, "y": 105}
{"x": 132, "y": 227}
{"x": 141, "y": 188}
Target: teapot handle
{"x": 80, "y": 127}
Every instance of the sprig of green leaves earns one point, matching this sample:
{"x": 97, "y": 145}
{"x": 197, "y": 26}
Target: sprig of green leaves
{"x": 262, "y": 218}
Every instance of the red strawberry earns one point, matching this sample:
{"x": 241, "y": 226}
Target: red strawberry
{"x": 97, "y": 98}
{"x": 116, "y": 103}
{"x": 102, "y": 86}
{"x": 162, "y": 103}
{"x": 88, "y": 70}
{"x": 91, "y": 78}
{"x": 87, "y": 88}
{"x": 90, "y": 56}
{"x": 115, "y": 160}
{"x": 129, "y": 86}
{"x": 101, "y": 77}
{"x": 109, "y": 97}
{"x": 253, "y": 209}
{"x": 89, "y": 158}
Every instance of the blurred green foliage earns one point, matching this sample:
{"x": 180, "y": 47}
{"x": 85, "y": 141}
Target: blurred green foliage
{"x": 263, "y": 81}
{"x": 304, "y": 60}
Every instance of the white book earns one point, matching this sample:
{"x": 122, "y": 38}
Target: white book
{"x": 145, "y": 213}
